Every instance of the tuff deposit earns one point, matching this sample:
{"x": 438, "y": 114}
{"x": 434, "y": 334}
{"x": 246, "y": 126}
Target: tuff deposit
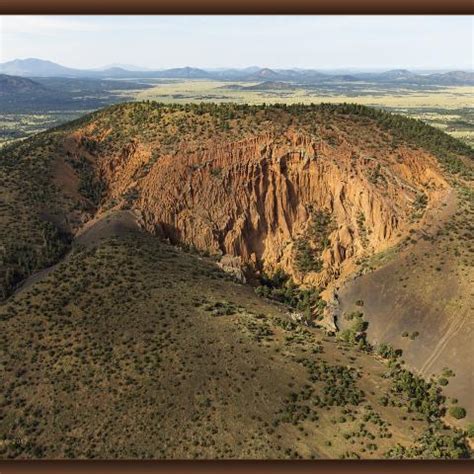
{"x": 251, "y": 199}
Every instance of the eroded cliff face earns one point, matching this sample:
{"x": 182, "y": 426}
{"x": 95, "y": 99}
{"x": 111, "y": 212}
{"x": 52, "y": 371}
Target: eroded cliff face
{"x": 254, "y": 199}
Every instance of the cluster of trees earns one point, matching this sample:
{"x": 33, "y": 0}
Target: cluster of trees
{"x": 280, "y": 287}
{"x": 90, "y": 186}
{"x": 339, "y": 389}
{"x": 422, "y": 397}
{"x": 28, "y": 242}
{"x": 340, "y": 386}
{"x": 388, "y": 352}
{"x": 296, "y": 410}
{"x": 19, "y": 259}
{"x": 306, "y": 257}
{"x": 308, "y": 248}
{"x": 356, "y": 334}
{"x": 221, "y": 308}
{"x": 445, "y": 147}
{"x": 361, "y": 226}
{"x": 434, "y": 443}
{"x": 425, "y": 398}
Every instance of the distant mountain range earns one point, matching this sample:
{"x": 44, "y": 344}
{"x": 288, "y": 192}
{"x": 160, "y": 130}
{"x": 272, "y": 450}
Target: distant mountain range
{"x": 41, "y": 68}
{"x": 18, "y": 85}
{"x": 25, "y": 95}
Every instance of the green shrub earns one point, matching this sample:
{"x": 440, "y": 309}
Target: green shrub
{"x": 356, "y": 333}
{"x": 388, "y": 352}
{"x": 308, "y": 248}
{"x": 280, "y": 287}
{"x": 433, "y": 444}
{"x": 457, "y": 412}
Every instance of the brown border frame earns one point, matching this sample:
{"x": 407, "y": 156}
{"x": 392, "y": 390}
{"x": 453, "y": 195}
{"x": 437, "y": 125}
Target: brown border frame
{"x": 228, "y": 7}
{"x": 202, "y": 7}
{"x": 234, "y": 467}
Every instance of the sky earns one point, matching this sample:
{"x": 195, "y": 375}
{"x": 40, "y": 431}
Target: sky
{"x": 319, "y": 42}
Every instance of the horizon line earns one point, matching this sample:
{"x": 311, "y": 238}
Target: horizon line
{"x": 139, "y": 68}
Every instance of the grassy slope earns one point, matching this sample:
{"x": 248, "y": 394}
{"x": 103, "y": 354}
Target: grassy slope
{"x": 33, "y": 233}
{"x": 120, "y": 352}
{"x": 425, "y": 288}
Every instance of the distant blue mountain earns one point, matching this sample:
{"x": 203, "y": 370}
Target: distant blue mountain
{"x": 34, "y": 67}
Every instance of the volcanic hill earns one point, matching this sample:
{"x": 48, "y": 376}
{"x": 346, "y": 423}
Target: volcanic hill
{"x": 190, "y": 261}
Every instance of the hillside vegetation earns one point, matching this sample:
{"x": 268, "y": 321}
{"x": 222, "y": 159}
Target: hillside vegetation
{"x": 130, "y": 348}
{"x": 127, "y": 327}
